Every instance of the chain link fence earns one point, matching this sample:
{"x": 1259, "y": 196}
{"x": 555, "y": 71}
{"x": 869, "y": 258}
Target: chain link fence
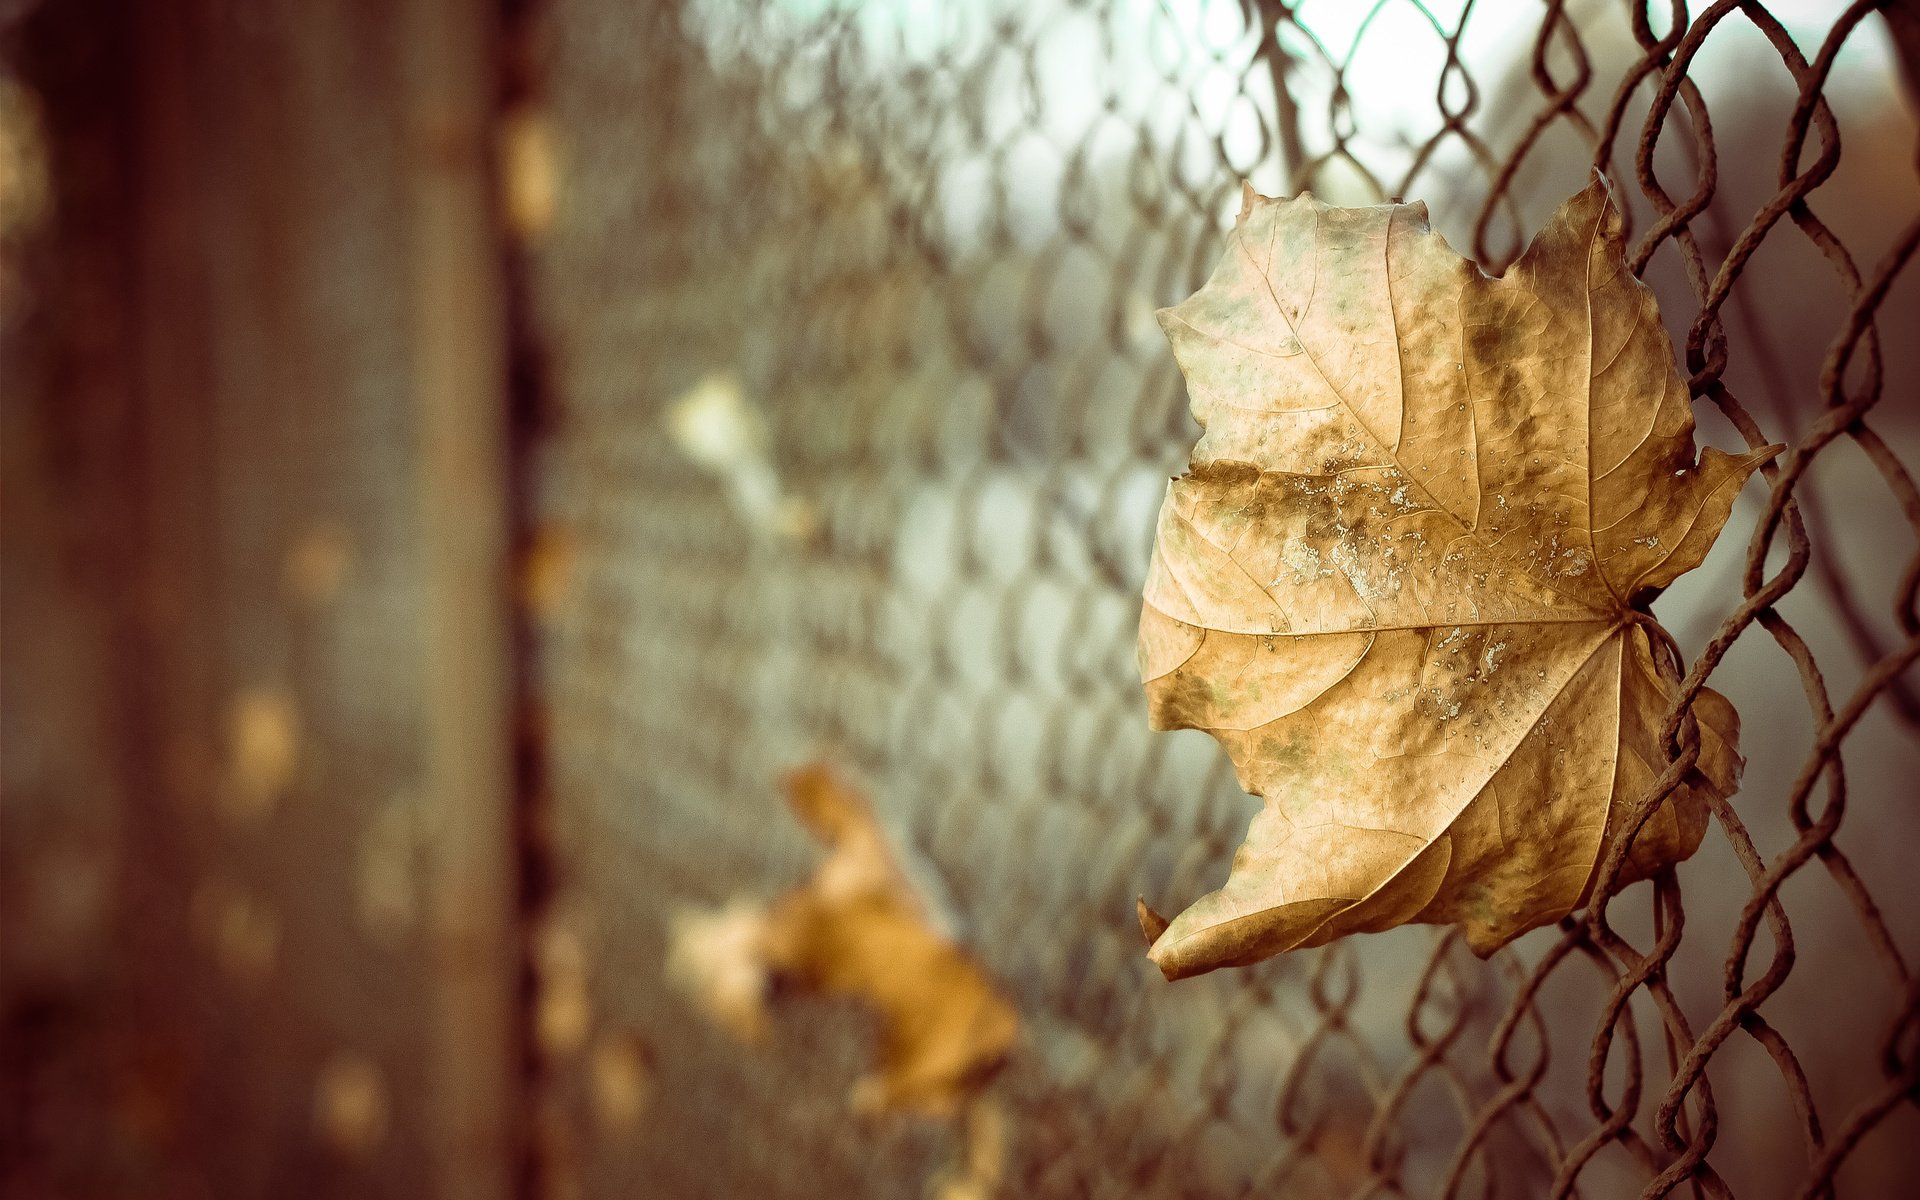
{"x": 839, "y": 422}
{"x": 914, "y": 250}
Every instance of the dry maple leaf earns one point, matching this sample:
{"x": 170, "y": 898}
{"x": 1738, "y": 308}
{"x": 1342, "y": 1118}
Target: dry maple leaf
{"x": 856, "y": 928}
{"x": 1398, "y": 583}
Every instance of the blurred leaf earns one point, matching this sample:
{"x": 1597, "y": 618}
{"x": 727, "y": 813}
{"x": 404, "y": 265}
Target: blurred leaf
{"x": 857, "y": 929}
{"x": 720, "y": 430}
{"x": 1398, "y": 583}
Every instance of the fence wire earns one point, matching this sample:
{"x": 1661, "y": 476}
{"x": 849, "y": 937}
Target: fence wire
{"x": 923, "y": 244}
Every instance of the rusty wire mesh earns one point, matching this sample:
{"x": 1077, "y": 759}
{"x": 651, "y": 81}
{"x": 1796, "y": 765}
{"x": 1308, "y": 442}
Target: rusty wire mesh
{"x": 927, "y": 241}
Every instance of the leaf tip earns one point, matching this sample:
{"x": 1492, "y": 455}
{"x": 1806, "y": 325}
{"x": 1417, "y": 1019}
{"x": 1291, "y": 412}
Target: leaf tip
{"x": 1484, "y": 940}
{"x": 823, "y": 802}
{"x": 1247, "y": 197}
{"x": 1743, "y": 464}
{"x": 1152, "y": 924}
{"x": 1597, "y": 182}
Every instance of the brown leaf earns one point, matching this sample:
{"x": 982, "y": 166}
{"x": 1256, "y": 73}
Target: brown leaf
{"x": 1152, "y": 924}
{"x": 859, "y": 863}
{"x": 857, "y": 929}
{"x": 1397, "y": 584}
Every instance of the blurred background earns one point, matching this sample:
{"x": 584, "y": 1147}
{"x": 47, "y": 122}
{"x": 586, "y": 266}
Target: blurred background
{"x": 457, "y": 455}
